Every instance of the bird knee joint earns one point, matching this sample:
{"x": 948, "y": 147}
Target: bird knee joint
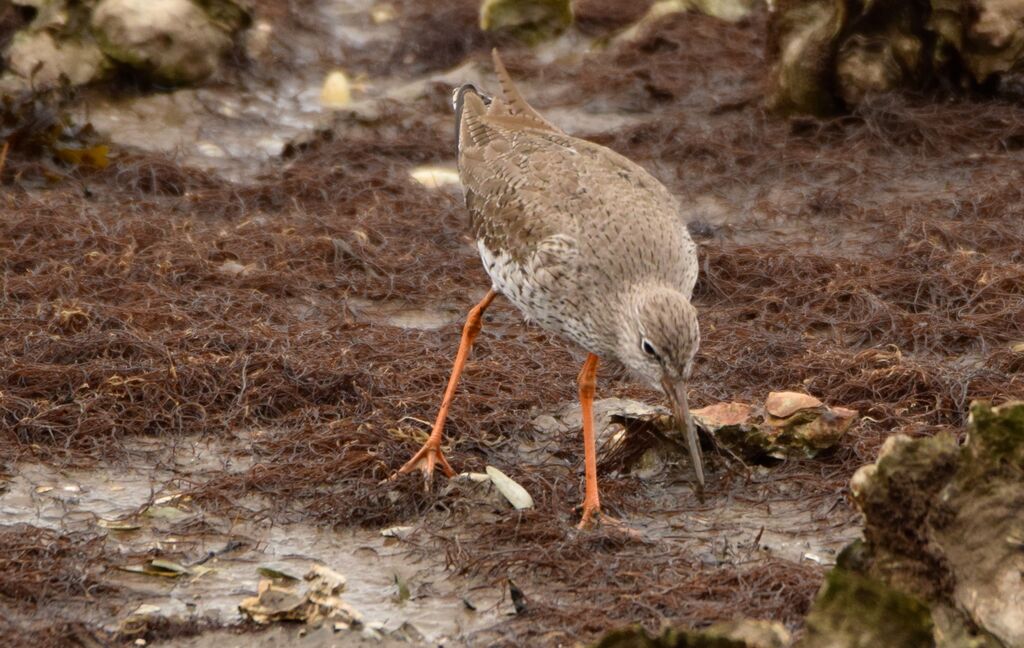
{"x": 588, "y": 386}
{"x": 473, "y": 323}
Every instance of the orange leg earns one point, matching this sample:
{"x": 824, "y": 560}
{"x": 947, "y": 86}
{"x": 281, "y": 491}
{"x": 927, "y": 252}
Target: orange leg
{"x": 588, "y": 385}
{"x": 430, "y": 454}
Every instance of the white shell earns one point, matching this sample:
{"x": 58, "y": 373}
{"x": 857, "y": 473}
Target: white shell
{"x": 513, "y": 492}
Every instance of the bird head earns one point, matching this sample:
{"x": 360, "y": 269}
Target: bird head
{"x": 658, "y": 341}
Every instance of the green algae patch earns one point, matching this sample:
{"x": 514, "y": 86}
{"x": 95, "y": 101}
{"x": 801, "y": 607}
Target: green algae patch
{"x": 945, "y": 523}
{"x": 996, "y": 446}
{"x": 530, "y": 21}
{"x": 980, "y": 527}
{"x": 857, "y": 611}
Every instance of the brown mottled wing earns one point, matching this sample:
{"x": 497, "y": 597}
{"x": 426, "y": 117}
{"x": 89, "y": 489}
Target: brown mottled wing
{"x": 512, "y": 189}
{"x": 544, "y": 197}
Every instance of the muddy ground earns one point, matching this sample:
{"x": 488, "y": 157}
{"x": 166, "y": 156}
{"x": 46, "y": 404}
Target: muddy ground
{"x": 214, "y": 350}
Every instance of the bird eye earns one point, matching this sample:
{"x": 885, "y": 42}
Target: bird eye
{"x": 648, "y": 348}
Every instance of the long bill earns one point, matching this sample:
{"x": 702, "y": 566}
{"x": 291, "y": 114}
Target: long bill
{"x": 676, "y": 392}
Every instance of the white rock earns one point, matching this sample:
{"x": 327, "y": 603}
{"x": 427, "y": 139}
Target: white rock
{"x": 49, "y": 13}
{"x": 861, "y": 478}
{"x": 337, "y": 91}
{"x": 513, "y": 492}
{"x": 80, "y": 61}
{"x": 397, "y": 531}
{"x": 257, "y": 40}
{"x": 174, "y": 40}
{"x": 434, "y": 177}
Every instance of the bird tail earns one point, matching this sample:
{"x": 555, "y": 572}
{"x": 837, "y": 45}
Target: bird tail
{"x": 515, "y": 104}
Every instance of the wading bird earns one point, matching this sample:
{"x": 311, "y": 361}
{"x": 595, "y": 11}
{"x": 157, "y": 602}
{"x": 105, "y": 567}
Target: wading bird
{"x": 583, "y": 242}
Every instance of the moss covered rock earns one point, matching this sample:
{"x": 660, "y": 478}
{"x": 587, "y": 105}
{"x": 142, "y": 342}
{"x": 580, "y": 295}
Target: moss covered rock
{"x": 831, "y": 54}
{"x": 172, "y": 41}
{"x": 980, "y": 528}
{"x": 802, "y": 41}
{"x": 944, "y": 525}
{"x": 790, "y": 424}
{"x": 854, "y": 611}
{"x": 529, "y": 20}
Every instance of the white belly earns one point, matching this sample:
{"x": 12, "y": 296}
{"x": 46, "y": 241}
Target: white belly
{"x": 548, "y": 306}
{"x": 513, "y": 281}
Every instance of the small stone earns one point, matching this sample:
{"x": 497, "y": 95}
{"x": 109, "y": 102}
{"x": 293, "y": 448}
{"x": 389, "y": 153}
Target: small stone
{"x": 211, "y": 150}
{"x": 373, "y": 631}
{"x": 234, "y": 269}
{"x": 337, "y": 91}
{"x": 434, "y": 177}
{"x": 396, "y": 531}
{"x": 257, "y": 39}
{"x": 324, "y": 579}
{"x": 382, "y": 13}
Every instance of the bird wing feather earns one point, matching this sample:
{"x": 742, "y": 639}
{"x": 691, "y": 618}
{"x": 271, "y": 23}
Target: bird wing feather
{"x": 531, "y": 189}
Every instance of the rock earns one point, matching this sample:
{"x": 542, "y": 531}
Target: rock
{"x": 609, "y": 414}
{"x": 798, "y": 423}
{"x": 792, "y": 424}
{"x": 644, "y": 439}
{"x": 729, "y": 10}
{"x": 723, "y": 415}
{"x": 755, "y": 634}
{"x": 853, "y": 611}
{"x": 477, "y": 490}
{"x": 987, "y": 35}
{"x": 435, "y": 177}
{"x": 744, "y": 633}
{"x": 275, "y": 603}
{"x": 529, "y": 20}
{"x": 802, "y": 37}
{"x": 785, "y": 404}
{"x": 868, "y": 66}
{"x": 943, "y": 532}
{"x": 257, "y": 40}
{"x": 980, "y": 528}
{"x": 317, "y": 603}
{"x": 631, "y": 435}
{"x": 831, "y": 54}
{"x": 49, "y": 13}
{"x": 336, "y": 91}
{"x": 39, "y": 57}
{"x": 174, "y": 41}
{"x": 324, "y": 581}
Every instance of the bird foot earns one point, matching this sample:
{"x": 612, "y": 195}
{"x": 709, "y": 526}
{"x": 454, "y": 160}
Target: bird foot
{"x": 594, "y": 519}
{"x": 426, "y": 459}
{"x": 591, "y": 517}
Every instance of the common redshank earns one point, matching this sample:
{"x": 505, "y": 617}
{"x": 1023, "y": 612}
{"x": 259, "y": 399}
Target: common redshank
{"x": 583, "y": 242}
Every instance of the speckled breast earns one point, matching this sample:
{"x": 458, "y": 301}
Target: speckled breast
{"x": 560, "y": 308}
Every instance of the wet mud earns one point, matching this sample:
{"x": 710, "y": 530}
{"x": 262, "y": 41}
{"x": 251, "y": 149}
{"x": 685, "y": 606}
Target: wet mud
{"x": 253, "y": 309}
